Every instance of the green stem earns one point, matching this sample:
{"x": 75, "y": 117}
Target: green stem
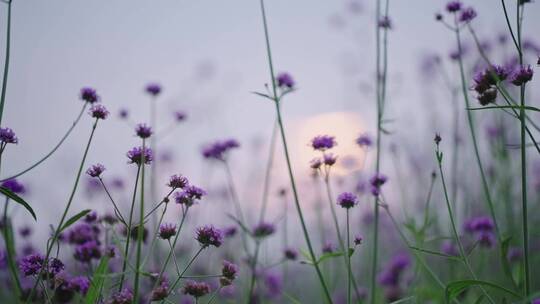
{"x": 253, "y": 271}
{"x": 8, "y": 238}
{"x": 346, "y": 253}
{"x": 129, "y": 227}
{"x": 66, "y": 210}
{"x": 185, "y": 269}
{"x": 6, "y": 62}
{"x": 268, "y": 172}
{"x": 288, "y": 160}
{"x": 236, "y": 202}
{"x": 140, "y": 231}
{"x": 66, "y": 135}
{"x": 214, "y": 295}
{"x": 119, "y": 214}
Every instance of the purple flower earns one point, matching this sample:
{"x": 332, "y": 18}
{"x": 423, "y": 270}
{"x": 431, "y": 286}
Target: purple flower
{"x": 291, "y": 254}
{"x": 392, "y": 272}
{"x": 328, "y": 247}
{"x": 166, "y": 231}
{"x": 95, "y": 170}
{"x": 177, "y": 181}
{"x": 161, "y": 291}
{"x": 14, "y": 185}
{"x": 323, "y": 142}
{"x": 449, "y": 248}
{"x": 273, "y": 284}
{"x": 153, "y": 89}
{"x": 190, "y": 195}
{"x": 82, "y": 233}
{"x": 80, "y": 284}
{"x": 264, "y": 229}
{"x": 209, "y": 235}
{"x": 467, "y": 15}
{"x": 230, "y": 231}
{"x": 536, "y": 301}
{"x": 143, "y": 131}
{"x": 125, "y": 296}
{"x": 7, "y": 136}
{"x": 123, "y": 113}
{"x": 514, "y": 254}
{"x": 135, "y": 155}
{"x": 315, "y": 163}
{"x": 487, "y": 97}
{"x": 329, "y": 159}
{"x": 364, "y": 141}
{"x": 347, "y": 200}
{"x": 218, "y": 149}
{"x": 376, "y": 182}
{"x": 89, "y": 95}
{"x": 453, "y": 6}
{"x": 522, "y": 75}
{"x": 180, "y": 116}
{"x": 358, "y": 240}
{"x": 486, "y": 239}
{"x": 25, "y": 231}
{"x": 385, "y": 22}
{"x": 479, "y": 224}
{"x": 86, "y": 252}
{"x": 98, "y": 111}
{"x": 31, "y": 264}
{"x": 285, "y": 80}
{"x": 229, "y": 272}
{"x": 91, "y": 217}
{"x": 196, "y": 289}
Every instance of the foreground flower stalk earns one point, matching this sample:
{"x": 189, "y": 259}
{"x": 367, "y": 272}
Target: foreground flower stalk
{"x": 327, "y": 296}
{"x": 140, "y": 231}
{"x": 6, "y": 61}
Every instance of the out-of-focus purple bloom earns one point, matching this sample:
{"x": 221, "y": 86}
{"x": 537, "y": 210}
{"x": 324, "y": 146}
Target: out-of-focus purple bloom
{"x": 177, "y": 181}
{"x": 329, "y": 159}
{"x": 135, "y": 155}
{"x": 123, "y": 113}
{"x": 364, "y": 141}
{"x": 209, "y": 235}
{"x": 190, "y": 195}
{"x": 486, "y": 239}
{"x": 95, "y": 170}
{"x": 323, "y": 142}
{"x": 229, "y": 272}
{"x": 376, "y": 182}
{"x": 514, "y": 254}
{"x": 161, "y": 291}
{"x": 385, "y": 22}
{"x": 7, "y": 136}
{"x": 467, "y": 15}
{"x": 230, "y": 231}
{"x": 143, "y": 131}
{"x": 522, "y": 75}
{"x": 180, "y": 116}
{"x": 89, "y": 95}
{"x": 125, "y": 296}
{"x": 98, "y": 111}
{"x": 285, "y": 80}
{"x": 82, "y": 233}
{"x": 25, "y": 231}
{"x": 91, "y": 217}
{"x": 196, "y": 289}
{"x": 315, "y": 163}
{"x": 86, "y": 252}
{"x": 14, "y": 185}
{"x": 453, "y": 6}
{"x": 31, "y": 264}
{"x": 166, "y": 231}
{"x": 264, "y": 229}
{"x": 449, "y": 248}
{"x": 328, "y": 247}
{"x": 481, "y": 223}
{"x": 218, "y": 149}
{"x": 347, "y": 200}
{"x": 392, "y": 272}
{"x": 290, "y": 254}
{"x": 273, "y": 284}
{"x": 80, "y": 284}
{"x": 153, "y": 89}
{"x": 358, "y": 240}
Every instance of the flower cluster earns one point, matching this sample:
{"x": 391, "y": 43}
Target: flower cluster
{"x": 263, "y": 229}
{"x": 285, "y": 81}
{"x": 189, "y": 196}
{"x": 167, "y": 230}
{"x": 229, "y": 272}
{"x": 95, "y": 170}
{"x": 143, "y": 131}
{"x": 89, "y": 95}
{"x": 153, "y": 89}
{"x": 364, "y": 141}
{"x": 347, "y": 200}
{"x": 521, "y": 75}
{"x": 209, "y": 236}
{"x": 137, "y": 154}
{"x": 7, "y": 136}
{"x": 85, "y": 237}
{"x": 14, "y": 185}
{"x": 323, "y": 142}
{"x": 219, "y": 149}
{"x": 196, "y": 289}
{"x": 464, "y": 14}
{"x": 161, "y": 291}
{"x": 376, "y": 182}
{"x": 481, "y": 228}
{"x": 124, "y": 296}
{"x": 177, "y": 181}
{"x": 32, "y": 264}
{"x": 485, "y": 82}
{"x": 390, "y": 276}
{"x": 98, "y": 111}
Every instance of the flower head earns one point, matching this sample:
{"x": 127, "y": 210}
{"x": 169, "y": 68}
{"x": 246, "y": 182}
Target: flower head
{"x": 347, "y": 200}
{"x": 315, "y": 163}
{"x": 89, "y": 95}
{"x": 209, "y": 235}
{"x": 177, "y": 181}
{"x": 329, "y": 159}
{"x": 7, "y": 136}
{"x": 143, "y": 131}
{"x": 323, "y": 142}
{"x": 161, "y": 291}
{"x": 98, "y": 111}
{"x": 385, "y": 22}
{"x": 364, "y": 141}
{"x": 79, "y": 284}
{"x": 290, "y": 254}
{"x": 229, "y": 271}
{"x": 328, "y": 247}
{"x": 14, "y": 185}
{"x": 135, "y": 155}
{"x": 358, "y": 240}
{"x": 166, "y": 231}
{"x": 87, "y": 251}
{"x": 123, "y": 113}
{"x": 31, "y": 264}
{"x": 376, "y": 182}
{"x": 190, "y": 195}
{"x": 180, "y": 116}
{"x": 522, "y": 75}
{"x": 218, "y": 149}
{"x": 285, "y": 80}
{"x": 153, "y": 89}
{"x": 95, "y": 170}
{"x": 124, "y": 296}
{"x": 453, "y": 6}
{"x": 263, "y": 229}
{"x": 196, "y": 289}
{"x": 467, "y": 15}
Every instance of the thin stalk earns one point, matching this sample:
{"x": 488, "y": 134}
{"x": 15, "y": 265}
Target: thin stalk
{"x": 346, "y": 253}
{"x": 253, "y": 271}
{"x": 464, "y": 255}
{"x": 268, "y": 172}
{"x": 66, "y": 210}
{"x": 174, "y": 258}
{"x": 154, "y": 238}
{"x": 121, "y": 218}
{"x": 129, "y": 227}
{"x": 185, "y": 269}
{"x": 288, "y": 160}
{"x": 153, "y": 165}
{"x": 214, "y": 295}
{"x": 140, "y": 231}
{"x": 9, "y": 251}
{"x": 66, "y": 135}
{"x": 473, "y": 135}
{"x": 6, "y": 62}
{"x": 236, "y": 202}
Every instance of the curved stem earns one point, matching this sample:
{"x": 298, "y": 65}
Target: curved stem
{"x": 327, "y": 296}
{"x": 129, "y": 227}
{"x": 75, "y": 122}
{"x": 6, "y": 62}
{"x": 66, "y": 210}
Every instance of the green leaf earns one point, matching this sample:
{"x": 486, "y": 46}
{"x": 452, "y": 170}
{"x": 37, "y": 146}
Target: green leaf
{"x": 333, "y": 255}
{"x": 98, "y": 279}
{"x": 451, "y": 257}
{"x": 454, "y": 289}
{"x": 291, "y": 298}
{"x": 403, "y": 300}
{"x": 262, "y": 95}
{"x": 506, "y": 107}
{"x": 18, "y": 199}
{"x": 74, "y": 219}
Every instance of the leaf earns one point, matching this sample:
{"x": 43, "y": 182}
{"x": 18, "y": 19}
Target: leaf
{"x": 403, "y": 300}
{"x": 97, "y": 281}
{"x": 506, "y": 107}
{"x": 74, "y": 219}
{"x": 333, "y": 255}
{"x": 444, "y": 255}
{"x": 455, "y": 288}
{"x": 291, "y": 298}
{"x": 262, "y": 95}
{"x": 18, "y": 199}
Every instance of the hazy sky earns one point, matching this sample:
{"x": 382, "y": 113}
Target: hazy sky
{"x": 209, "y": 56}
